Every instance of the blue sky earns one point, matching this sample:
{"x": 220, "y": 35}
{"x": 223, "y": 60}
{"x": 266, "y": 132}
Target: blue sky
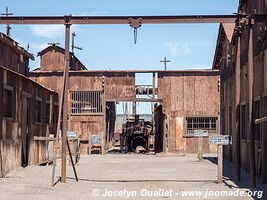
{"x": 112, "y": 46}
{"x": 188, "y": 46}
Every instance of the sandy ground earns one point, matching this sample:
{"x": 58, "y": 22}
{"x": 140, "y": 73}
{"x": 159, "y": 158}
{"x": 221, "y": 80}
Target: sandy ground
{"x": 123, "y": 177}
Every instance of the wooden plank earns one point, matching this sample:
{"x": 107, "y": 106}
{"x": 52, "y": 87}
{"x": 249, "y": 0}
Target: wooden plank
{"x": 261, "y": 120}
{"x": 40, "y": 138}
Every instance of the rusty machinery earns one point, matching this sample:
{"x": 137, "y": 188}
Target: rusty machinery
{"x": 135, "y": 134}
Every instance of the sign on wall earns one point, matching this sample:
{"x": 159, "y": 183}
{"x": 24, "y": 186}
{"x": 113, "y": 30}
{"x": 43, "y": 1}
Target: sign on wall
{"x": 220, "y": 139}
{"x": 201, "y": 133}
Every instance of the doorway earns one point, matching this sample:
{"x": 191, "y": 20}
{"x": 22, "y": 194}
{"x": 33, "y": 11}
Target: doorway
{"x": 25, "y": 130}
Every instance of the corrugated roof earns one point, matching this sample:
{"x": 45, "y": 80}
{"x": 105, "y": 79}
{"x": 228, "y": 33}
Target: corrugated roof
{"x": 15, "y": 45}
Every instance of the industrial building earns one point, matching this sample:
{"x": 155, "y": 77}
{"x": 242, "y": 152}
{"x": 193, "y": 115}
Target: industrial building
{"x": 240, "y": 49}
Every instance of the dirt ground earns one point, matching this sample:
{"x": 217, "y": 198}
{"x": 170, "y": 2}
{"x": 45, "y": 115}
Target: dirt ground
{"x": 124, "y": 177}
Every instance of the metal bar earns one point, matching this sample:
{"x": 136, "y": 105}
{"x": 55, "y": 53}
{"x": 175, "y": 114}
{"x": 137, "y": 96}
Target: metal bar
{"x": 123, "y": 19}
{"x": 250, "y": 117}
{"x": 65, "y": 109}
{"x": 237, "y": 104}
{"x": 261, "y": 120}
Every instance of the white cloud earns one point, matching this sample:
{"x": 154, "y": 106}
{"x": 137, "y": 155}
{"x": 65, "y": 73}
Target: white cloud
{"x": 177, "y": 49}
{"x": 48, "y": 31}
{"x": 37, "y": 47}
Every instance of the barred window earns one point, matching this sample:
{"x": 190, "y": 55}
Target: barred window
{"x": 86, "y": 102}
{"x": 200, "y": 123}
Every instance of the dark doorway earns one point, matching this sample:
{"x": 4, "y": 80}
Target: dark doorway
{"x": 25, "y": 130}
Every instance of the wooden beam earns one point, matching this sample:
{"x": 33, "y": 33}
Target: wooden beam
{"x": 261, "y": 120}
{"x": 39, "y": 138}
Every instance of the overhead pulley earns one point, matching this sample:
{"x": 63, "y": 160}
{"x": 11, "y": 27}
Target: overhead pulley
{"x": 135, "y": 24}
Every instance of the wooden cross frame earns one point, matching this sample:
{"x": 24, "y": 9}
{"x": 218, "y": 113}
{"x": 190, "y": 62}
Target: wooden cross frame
{"x": 165, "y": 61}
{"x": 8, "y": 27}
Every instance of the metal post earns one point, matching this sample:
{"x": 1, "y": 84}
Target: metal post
{"x": 65, "y": 109}
{"x": 237, "y": 104}
{"x": 250, "y": 96}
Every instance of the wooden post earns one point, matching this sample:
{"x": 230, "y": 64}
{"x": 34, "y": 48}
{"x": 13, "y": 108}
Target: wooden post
{"x": 220, "y": 155}
{"x": 102, "y": 143}
{"x": 90, "y": 144}
{"x": 237, "y": 104}
{"x": 250, "y": 96}
{"x": 71, "y": 159}
{"x": 105, "y": 142}
{"x": 64, "y": 108}
{"x": 164, "y": 133}
{"x": 220, "y": 163}
{"x": 200, "y": 149}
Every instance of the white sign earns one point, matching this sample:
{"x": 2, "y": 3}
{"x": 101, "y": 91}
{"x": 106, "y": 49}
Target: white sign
{"x": 72, "y": 134}
{"x": 220, "y": 139}
{"x": 201, "y": 133}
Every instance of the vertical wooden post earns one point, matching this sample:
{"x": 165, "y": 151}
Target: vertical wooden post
{"x": 264, "y": 137}
{"x": 65, "y": 104}
{"x": 90, "y": 144}
{"x": 237, "y": 104}
{"x": 200, "y": 149}
{"x": 219, "y": 154}
{"x": 134, "y": 107}
{"x": 105, "y": 127}
{"x": 102, "y": 143}
{"x": 164, "y": 133}
{"x": 220, "y": 163}
{"x": 250, "y": 96}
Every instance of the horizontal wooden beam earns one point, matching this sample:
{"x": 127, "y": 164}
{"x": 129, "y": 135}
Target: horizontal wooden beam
{"x": 261, "y": 120}
{"x": 123, "y": 19}
{"x": 40, "y": 138}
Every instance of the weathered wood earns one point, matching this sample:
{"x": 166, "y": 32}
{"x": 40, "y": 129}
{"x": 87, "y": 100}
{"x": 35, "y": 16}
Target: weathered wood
{"x": 220, "y": 164}
{"x": 71, "y": 159}
{"x": 40, "y": 138}
{"x": 237, "y": 106}
{"x": 219, "y": 155}
{"x": 261, "y": 120}
{"x": 200, "y": 149}
{"x": 250, "y": 114}
{"x": 65, "y": 105}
